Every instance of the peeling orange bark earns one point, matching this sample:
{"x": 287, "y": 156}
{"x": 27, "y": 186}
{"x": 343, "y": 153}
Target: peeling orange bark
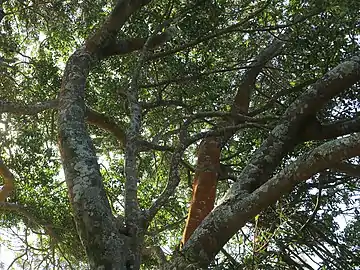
{"x": 204, "y": 185}
{"x": 9, "y": 180}
{"x": 208, "y": 163}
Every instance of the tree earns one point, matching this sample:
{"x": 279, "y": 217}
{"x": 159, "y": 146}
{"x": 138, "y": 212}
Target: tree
{"x": 125, "y": 98}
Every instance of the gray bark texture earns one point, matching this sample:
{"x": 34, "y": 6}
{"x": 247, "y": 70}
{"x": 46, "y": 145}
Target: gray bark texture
{"x": 111, "y": 244}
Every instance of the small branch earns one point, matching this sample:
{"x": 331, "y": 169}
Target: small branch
{"x": 275, "y": 98}
{"x": 347, "y": 168}
{"x": 217, "y": 33}
{"x": 316, "y": 209}
{"x": 31, "y": 109}
{"x": 191, "y": 77}
{"x": 4, "y": 206}
{"x": 316, "y": 131}
{"x": 173, "y": 180}
{"x": 234, "y": 263}
{"x": 221, "y": 131}
{"x": 160, "y": 102}
{"x": 146, "y": 146}
{"x": 235, "y": 116}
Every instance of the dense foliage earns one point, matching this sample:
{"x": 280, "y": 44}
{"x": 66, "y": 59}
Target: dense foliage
{"x": 189, "y": 79}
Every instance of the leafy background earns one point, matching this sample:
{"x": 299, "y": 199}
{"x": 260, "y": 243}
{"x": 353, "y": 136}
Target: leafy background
{"x": 36, "y": 40}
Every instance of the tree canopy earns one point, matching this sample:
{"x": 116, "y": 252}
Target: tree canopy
{"x": 122, "y": 120}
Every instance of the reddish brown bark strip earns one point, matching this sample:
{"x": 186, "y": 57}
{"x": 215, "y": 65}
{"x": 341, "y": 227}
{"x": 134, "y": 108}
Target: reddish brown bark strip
{"x": 204, "y": 185}
{"x": 205, "y": 180}
{"x": 9, "y": 180}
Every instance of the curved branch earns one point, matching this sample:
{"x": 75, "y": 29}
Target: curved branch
{"x": 91, "y": 208}
{"x": 92, "y": 117}
{"x": 286, "y": 134}
{"x": 101, "y": 120}
{"x": 106, "y": 33}
{"x": 222, "y": 223}
{"x": 4, "y": 206}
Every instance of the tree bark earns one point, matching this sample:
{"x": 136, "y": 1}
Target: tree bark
{"x": 236, "y": 207}
{"x": 205, "y": 181}
{"x": 106, "y": 242}
{"x": 204, "y": 185}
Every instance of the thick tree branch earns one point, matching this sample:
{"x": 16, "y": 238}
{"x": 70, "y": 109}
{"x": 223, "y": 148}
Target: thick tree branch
{"x": 129, "y": 45}
{"x": 231, "y": 215}
{"x": 90, "y": 205}
{"x": 242, "y": 97}
{"x": 284, "y": 136}
{"x": 106, "y": 33}
{"x": 265, "y": 159}
{"x": 208, "y": 162}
